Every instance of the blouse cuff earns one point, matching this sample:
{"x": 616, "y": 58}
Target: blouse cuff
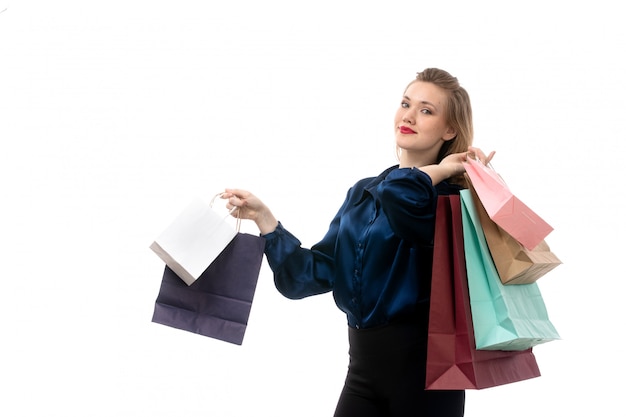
{"x": 279, "y": 244}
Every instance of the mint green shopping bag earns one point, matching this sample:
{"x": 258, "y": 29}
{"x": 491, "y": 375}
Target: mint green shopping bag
{"x": 505, "y": 317}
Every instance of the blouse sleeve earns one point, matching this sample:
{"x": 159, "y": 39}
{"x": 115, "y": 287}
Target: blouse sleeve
{"x": 409, "y": 200}
{"x": 298, "y": 272}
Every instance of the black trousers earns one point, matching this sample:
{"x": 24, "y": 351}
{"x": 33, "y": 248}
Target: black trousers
{"x": 386, "y": 376}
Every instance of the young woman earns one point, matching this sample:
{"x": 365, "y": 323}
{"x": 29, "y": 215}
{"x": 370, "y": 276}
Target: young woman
{"x": 376, "y": 257}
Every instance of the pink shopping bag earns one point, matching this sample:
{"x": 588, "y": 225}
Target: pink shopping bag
{"x": 504, "y": 208}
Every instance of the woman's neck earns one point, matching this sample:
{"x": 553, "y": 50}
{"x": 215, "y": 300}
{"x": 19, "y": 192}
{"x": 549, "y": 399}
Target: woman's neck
{"x": 415, "y": 160}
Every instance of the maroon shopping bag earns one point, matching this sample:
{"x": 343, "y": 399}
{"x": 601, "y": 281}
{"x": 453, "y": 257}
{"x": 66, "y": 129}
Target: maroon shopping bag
{"x": 219, "y": 302}
{"x": 453, "y": 363}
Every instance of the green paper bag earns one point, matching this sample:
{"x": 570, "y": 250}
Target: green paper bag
{"x": 505, "y": 317}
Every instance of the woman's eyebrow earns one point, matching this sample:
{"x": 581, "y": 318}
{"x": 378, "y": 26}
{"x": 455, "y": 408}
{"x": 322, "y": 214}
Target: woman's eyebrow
{"x": 422, "y": 102}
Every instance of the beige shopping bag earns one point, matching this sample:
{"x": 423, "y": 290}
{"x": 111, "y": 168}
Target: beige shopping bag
{"x": 515, "y": 263}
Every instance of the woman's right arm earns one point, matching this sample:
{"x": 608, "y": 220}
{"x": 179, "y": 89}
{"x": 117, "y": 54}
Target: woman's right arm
{"x": 298, "y": 272}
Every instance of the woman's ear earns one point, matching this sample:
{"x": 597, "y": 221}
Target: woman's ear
{"x": 450, "y": 134}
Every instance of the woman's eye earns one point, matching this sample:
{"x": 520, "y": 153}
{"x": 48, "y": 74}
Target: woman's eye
{"x": 404, "y": 104}
{"x": 426, "y": 111}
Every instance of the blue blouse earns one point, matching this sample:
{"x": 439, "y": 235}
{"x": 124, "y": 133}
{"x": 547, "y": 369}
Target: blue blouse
{"x": 377, "y": 254}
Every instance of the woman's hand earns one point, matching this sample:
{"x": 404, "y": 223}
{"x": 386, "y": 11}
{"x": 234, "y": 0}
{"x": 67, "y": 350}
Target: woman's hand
{"x": 452, "y": 165}
{"x": 478, "y": 154}
{"x": 250, "y": 207}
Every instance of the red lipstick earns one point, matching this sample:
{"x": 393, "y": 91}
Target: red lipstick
{"x": 405, "y": 130}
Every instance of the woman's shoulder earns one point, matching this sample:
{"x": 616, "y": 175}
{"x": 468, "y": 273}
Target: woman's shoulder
{"x": 368, "y": 184}
{"x": 444, "y": 188}
{"x": 448, "y": 188}
{"x": 373, "y": 180}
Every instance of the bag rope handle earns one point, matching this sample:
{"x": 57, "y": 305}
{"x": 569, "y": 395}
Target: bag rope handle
{"x": 230, "y": 212}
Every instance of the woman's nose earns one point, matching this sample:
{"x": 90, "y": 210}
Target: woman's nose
{"x": 408, "y": 118}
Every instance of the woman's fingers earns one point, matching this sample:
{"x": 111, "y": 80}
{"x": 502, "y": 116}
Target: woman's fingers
{"x": 479, "y": 155}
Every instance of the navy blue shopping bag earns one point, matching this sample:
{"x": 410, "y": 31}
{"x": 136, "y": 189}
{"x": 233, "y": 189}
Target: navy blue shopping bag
{"x": 218, "y": 303}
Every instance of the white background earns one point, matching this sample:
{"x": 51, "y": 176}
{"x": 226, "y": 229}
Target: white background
{"x": 114, "y": 115}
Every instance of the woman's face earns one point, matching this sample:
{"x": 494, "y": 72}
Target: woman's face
{"x": 420, "y": 123}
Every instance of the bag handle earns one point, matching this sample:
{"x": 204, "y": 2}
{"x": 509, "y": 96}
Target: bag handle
{"x": 230, "y": 212}
{"x": 479, "y": 168}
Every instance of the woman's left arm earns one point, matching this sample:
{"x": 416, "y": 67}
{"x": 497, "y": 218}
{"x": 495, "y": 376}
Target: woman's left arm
{"x": 452, "y": 165}
{"x": 409, "y": 198}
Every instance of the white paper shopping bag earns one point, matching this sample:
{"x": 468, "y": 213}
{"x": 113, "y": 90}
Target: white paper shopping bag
{"x": 194, "y": 239}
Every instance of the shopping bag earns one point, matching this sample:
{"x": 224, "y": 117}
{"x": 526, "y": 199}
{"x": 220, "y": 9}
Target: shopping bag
{"x": 504, "y": 208}
{"x": 453, "y": 362}
{"x": 515, "y": 263}
{"x": 194, "y": 239}
{"x": 505, "y": 317}
{"x": 219, "y": 302}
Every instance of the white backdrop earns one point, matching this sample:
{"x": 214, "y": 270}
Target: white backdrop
{"x": 114, "y": 115}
